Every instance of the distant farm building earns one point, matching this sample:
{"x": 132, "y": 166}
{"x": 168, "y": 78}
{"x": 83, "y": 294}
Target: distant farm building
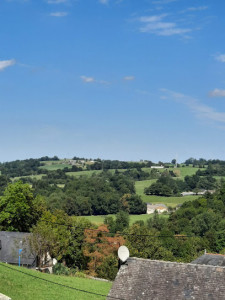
{"x": 197, "y": 193}
{"x": 157, "y": 167}
{"x": 160, "y": 208}
{"x": 188, "y": 193}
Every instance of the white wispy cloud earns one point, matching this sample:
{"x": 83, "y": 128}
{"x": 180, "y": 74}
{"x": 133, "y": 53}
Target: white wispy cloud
{"x": 163, "y": 1}
{"x": 158, "y": 26}
{"x": 197, "y": 8}
{"x": 56, "y": 1}
{"x": 87, "y": 79}
{"x": 104, "y": 1}
{"x": 129, "y": 78}
{"x": 217, "y": 93}
{"x": 220, "y": 57}
{"x": 58, "y": 14}
{"x": 6, "y": 63}
{"x": 200, "y": 110}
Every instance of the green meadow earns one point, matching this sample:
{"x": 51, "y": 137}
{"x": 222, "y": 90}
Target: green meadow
{"x": 19, "y": 286}
{"x": 90, "y": 172}
{"x": 39, "y": 176}
{"x": 98, "y": 220}
{"x": 56, "y": 165}
{"x": 169, "y": 201}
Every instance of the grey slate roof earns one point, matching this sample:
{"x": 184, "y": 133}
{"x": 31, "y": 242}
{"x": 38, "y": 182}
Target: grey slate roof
{"x": 143, "y": 279}
{"x": 10, "y": 245}
{"x": 211, "y": 260}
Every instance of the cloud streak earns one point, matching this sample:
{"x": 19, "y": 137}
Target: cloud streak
{"x": 217, "y": 93}
{"x": 157, "y": 25}
{"x": 88, "y": 79}
{"x": 194, "y": 9}
{"x": 128, "y": 78}
{"x": 220, "y": 57}
{"x": 163, "y": 1}
{"x": 6, "y": 63}
{"x": 200, "y": 110}
{"x": 59, "y": 14}
{"x": 56, "y": 1}
{"x": 104, "y": 1}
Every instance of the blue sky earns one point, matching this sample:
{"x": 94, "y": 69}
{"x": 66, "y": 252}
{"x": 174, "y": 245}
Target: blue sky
{"x": 115, "y": 79}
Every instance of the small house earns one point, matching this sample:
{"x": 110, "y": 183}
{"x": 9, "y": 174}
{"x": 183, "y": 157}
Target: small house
{"x": 157, "y": 167}
{"x": 160, "y": 208}
{"x": 188, "y": 194}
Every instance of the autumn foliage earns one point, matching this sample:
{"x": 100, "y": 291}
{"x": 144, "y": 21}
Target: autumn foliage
{"x": 101, "y": 249}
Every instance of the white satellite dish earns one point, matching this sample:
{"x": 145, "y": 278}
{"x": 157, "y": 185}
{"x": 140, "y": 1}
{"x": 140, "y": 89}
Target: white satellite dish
{"x": 123, "y": 253}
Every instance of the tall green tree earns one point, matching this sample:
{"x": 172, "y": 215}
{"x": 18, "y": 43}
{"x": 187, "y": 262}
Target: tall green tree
{"x": 19, "y": 209}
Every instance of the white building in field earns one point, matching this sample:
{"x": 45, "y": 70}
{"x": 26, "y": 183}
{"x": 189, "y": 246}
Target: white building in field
{"x": 160, "y": 208}
{"x": 188, "y": 194}
{"x": 157, "y": 167}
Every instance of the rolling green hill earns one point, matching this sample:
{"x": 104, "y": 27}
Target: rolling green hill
{"x": 20, "y": 286}
{"x": 98, "y": 220}
{"x": 169, "y": 201}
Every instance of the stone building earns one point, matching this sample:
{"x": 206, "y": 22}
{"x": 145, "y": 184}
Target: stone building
{"x": 143, "y": 279}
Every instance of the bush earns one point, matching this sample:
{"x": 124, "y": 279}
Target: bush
{"x": 80, "y": 274}
{"x": 60, "y": 269}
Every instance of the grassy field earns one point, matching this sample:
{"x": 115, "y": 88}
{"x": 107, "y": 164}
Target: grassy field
{"x": 56, "y": 165}
{"x": 169, "y": 201}
{"x": 133, "y": 218}
{"x": 20, "y": 286}
{"x": 90, "y": 172}
{"x": 83, "y": 173}
{"x": 184, "y": 171}
{"x": 39, "y": 176}
{"x": 187, "y": 171}
{"x": 141, "y": 185}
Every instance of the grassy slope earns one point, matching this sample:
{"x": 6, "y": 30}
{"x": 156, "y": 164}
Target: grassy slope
{"x": 169, "y": 201}
{"x": 19, "y": 286}
{"x": 90, "y": 172}
{"x": 133, "y": 218}
{"x": 55, "y": 166}
{"x": 187, "y": 171}
{"x": 39, "y": 176}
{"x": 139, "y": 185}
{"x": 83, "y": 173}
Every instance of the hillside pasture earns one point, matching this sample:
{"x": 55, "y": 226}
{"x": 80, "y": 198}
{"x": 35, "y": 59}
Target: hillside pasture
{"x": 169, "y": 201}
{"x": 184, "y": 171}
{"x": 55, "y": 165}
{"x": 98, "y": 220}
{"x": 21, "y": 286}
{"x": 38, "y": 177}
{"x": 91, "y": 172}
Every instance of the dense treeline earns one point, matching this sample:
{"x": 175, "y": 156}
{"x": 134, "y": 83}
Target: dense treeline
{"x": 99, "y": 194}
{"x": 25, "y": 167}
{"x": 167, "y": 186}
{"x": 21, "y": 168}
{"x": 201, "y": 162}
{"x": 197, "y": 225}
{"x": 213, "y": 170}
{"x": 116, "y": 164}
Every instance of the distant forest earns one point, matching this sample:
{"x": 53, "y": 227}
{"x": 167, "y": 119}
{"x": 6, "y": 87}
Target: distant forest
{"x": 103, "y": 193}
{"x": 34, "y": 198}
